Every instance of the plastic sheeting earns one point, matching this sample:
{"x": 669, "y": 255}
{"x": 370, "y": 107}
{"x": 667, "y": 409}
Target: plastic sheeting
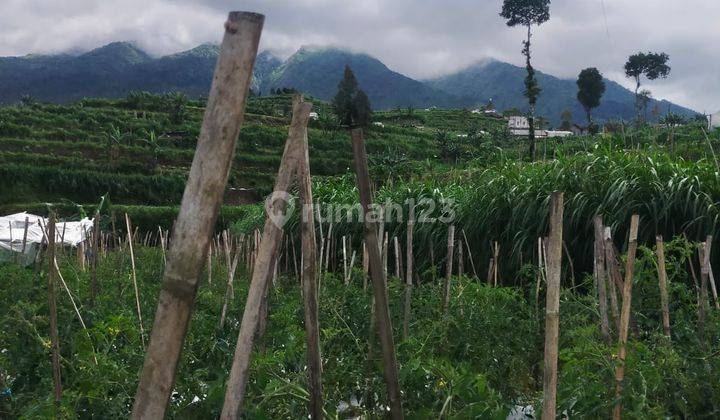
{"x": 21, "y": 233}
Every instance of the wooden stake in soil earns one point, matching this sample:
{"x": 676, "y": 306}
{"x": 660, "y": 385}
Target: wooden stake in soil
{"x": 229, "y": 287}
{"x": 552, "y": 305}
{"x": 134, "y": 279}
{"x": 449, "y": 269}
{"x": 198, "y": 211}
{"x": 264, "y": 263}
{"x": 52, "y": 306}
{"x": 94, "y": 287}
{"x": 309, "y": 284}
{"x": 382, "y": 310}
{"x": 613, "y": 272}
{"x": 625, "y": 315}
{"x": 408, "y": 279}
{"x": 600, "y": 279}
{"x": 662, "y": 282}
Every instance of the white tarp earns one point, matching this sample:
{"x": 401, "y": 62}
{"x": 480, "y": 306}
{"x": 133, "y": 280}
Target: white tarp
{"x": 13, "y": 230}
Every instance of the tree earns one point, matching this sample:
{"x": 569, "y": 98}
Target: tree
{"x": 527, "y": 13}
{"x": 351, "y": 104}
{"x": 672, "y": 120}
{"x": 591, "y": 87}
{"x": 566, "y": 120}
{"x": 650, "y": 65}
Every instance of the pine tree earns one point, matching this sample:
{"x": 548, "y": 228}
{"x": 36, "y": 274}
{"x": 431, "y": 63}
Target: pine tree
{"x": 351, "y": 105}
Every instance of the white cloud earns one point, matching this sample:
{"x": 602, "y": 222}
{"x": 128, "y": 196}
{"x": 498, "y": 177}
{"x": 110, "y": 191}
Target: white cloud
{"x": 420, "y": 38}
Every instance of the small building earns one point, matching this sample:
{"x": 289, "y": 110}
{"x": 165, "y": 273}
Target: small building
{"x": 314, "y": 116}
{"x": 519, "y": 125}
{"x": 714, "y": 120}
{"x": 558, "y": 133}
{"x": 379, "y": 124}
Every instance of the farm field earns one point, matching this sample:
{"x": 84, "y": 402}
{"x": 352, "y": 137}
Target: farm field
{"x": 482, "y": 357}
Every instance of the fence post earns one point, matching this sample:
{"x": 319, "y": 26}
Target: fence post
{"x": 382, "y": 310}
{"x": 449, "y": 269}
{"x": 52, "y": 306}
{"x": 662, "y": 281}
{"x": 600, "y": 279}
{"x": 198, "y": 211}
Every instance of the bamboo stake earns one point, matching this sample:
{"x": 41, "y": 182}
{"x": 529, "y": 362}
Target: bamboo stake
{"x": 662, "y": 282}
{"x": 198, "y": 211}
{"x": 229, "y": 291}
{"x": 712, "y": 287}
{"x": 385, "y": 256}
{"x": 703, "y": 303}
{"x": 625, "y": 315}
{"x": 461, "y": 268}
{"x": 470, "y": 257}
{"x": 346, "y": 277}
{"x": 552, "y": 305}
{"x": 134, "y": 279}
{"x": 496, "y": 263}
{"x": 382, "y": 311}
{"x": 449, "y": 269}
{"x": 366, "y": 266}
{"x": 52, "y": 306}
{"x": 25, "y": 231}
{"x": 310, "y": 291}
{"x": 613, "y": 271}
{"x": 408, "y": 279}
{"x": 264, "y": 261}
{"x": 397, "y": 257}
{"x": 491, "y": 269}
{"x": 600, "y": 279}
{"x": 539, "y": 274}
{"x": 94, "y": 286}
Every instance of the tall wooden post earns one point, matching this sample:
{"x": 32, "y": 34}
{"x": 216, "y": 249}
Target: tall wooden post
{"x": 552, "y": 305}
{"x": 134, "y": 280}
{"x": 449, "y": 269}
{"x": 662, "y": 282}
{"x": 382, "y": 310}
{"x": 625, "y": 315}
{"x": 198, "y": 211}
{"x": 94, "y": 287}
{"x": 309, "y": 283}
{"x": 264, "y": 264}
{"x": 613, "y": 273}
{"x": 408, "y": 279}
{"x": 600, "y": 279}
{"x": 52, "y": 307}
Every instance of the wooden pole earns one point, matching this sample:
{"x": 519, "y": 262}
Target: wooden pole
{"x": 449, "y": 269}
{"x": 229, "y": 287}
{"x": 52, "y": 306}
{"x": 309, "y": 284}
{"x": 346, "y": 277}
{"x": 625, "y": 315}
{"x": 366, "y": 266}
{"x": 704, "y": 304}
{"x": 264, "y": 262}
{"x": 552, "y": 305}
{"x": 470, "y": 257}
{"x": 382, "y": 310}
{"x": 713, "y": 287}
{"x": 134, "y": 280}
{"x": 461, "y": 267}
{"x": 94, "y": 286}
{"x": 496, "y": 262}
{"x": 600, "y": 279}
{"x": 408, "y": 279}
{"x": 397, "y": 257}
{"x": 613, "y": 271}
{"x": 198, "y": 211}
{"x": 662, "y": 282}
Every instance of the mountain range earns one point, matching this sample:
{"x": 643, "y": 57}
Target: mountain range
{"x": 118, "y": 68}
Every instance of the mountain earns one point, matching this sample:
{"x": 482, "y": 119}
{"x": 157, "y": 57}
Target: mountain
{"x": 318, "y": 71}
{"x": 504, "y": 84}
{"x": 116, "y": 69}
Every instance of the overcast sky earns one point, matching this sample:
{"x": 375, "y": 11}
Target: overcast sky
{"x": 419, "y": 38}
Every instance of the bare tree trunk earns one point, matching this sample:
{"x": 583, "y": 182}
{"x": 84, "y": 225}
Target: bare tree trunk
{"x": 52, "y": 307}
{"x": 382, "y": 310}
{"x": 662, "y": 282}
{"x": 198, "y": 211}
{"x": 600, "y": 279}
{"x": 264, "y": 262}
{"x": 625, "y": 315}
{"x": 552, "y": 305}
{"x": 310, "y": 293}
{"x": 449, "y": 269}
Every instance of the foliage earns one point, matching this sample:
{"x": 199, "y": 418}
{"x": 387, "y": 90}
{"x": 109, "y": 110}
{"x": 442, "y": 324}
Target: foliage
{"x": 591, "y": 87}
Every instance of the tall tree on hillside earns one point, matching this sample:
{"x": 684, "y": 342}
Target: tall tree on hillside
{"x": 527, "y": 13}
{"x": 351, "y": 104}
{"x": 650, "y": 65}
{"x": 591, "y": 87}
{"x": 566, "y": 120}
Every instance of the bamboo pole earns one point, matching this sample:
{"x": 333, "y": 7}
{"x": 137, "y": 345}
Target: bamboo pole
{"x": 264, "y": 261}
{"x": 94, "y": 286}
{"x": 346, "y": 277}
{"x": 385, "y": 256}
{"x": 539, "y": 273}
{"x": 703, "y": 303}
{"x": 625, "y": 315}
{"x": 662, "y": 282}
{"x": 470, "y": 257}
{"x": 52, "y": 306}
{"x": 198, "y": 211}
{"x": 449, "y": 269}
{"x": 229, "y": 291}
{"x": 600, "y": 279}
{"x": 611, "y": 265}
{"x": 366, "y": 266}
{"x": 309, "y": 284}
{"x": 397, "y": 257}
{"x": 496, "y": 262}
{"x": 461, "y": 267}
{"x": 408, "y": 279}
{"x": 712, "y": 286}
{"x": 134, "y": 280}
{"x": 552, "y": 305}
{"x": 25, "y": 231}
{"x": 382, "y": 311}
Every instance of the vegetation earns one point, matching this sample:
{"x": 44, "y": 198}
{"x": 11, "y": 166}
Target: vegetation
{"x": 351, "y": 105}
{"x": 650, "y": 65}
{"x": 591, "y": 87}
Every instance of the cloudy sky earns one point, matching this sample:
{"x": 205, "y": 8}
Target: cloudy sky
{"x": 420, "y": 38}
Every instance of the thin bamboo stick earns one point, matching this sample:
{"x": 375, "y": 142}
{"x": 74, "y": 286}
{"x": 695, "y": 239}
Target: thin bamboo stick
{"x": 229, "y": 294}
{"x": 600, "y": 279}
{"x": 449, "y": 269}
{"x": 134, "y": 279}
{"x": 52, "y": 306}
{"x": 662, "y": 283}
{"x": 408, "y": 280}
